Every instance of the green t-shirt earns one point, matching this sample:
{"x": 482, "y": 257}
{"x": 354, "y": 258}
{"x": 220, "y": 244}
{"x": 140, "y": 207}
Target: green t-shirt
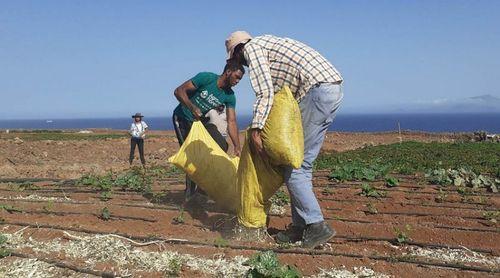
{"x": 207, "y": 96}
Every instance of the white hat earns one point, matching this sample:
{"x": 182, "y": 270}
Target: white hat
{"x": 234, "y": 39}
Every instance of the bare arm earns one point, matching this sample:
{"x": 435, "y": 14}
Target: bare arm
{"x": 232, "y": 129}
{"x": 181, "y": 93}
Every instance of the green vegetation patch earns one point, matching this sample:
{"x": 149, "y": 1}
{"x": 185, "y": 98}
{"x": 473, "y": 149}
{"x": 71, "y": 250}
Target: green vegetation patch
{"x": 463, "y": 179}
{"x": 266, "y": 264}
{"x": 413, "y": 157}
{"x": 65, "y": 136}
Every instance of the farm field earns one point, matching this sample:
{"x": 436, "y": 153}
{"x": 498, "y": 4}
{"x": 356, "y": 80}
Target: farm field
{"x": 391, "y": 221}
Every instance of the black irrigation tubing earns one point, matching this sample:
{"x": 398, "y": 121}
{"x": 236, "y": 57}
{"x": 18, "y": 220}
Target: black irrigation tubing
{"x": 73, "y": 191}
{"x": 60, "y": 213}
{"x": 276, "y": 250}
{"x": 398, "y": 189}
{"x": 368, "y": 199}
{"x": 362, "y": 221}
{"x": 24, "y": 180}
{"x": 60, "y": 264}
{"x": 46, "y": 201}
{"x": 154, "y": 207}
{"x": 411, "y": 242}
{"x": 418, "y": 214}
{"x": 434, "y": 206}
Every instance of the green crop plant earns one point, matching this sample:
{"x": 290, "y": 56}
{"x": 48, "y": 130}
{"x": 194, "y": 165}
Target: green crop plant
{"x": 280, "y": 198}
{"x": 158, "y": 197}
{"x": 105, "y": 195}
{"x": 403, "y": 235}
{"x": 10, "y": 209}
{"x": 49, "y": 206}
{"x": 221, "y": 242}
{"x": 492, "y": 216}
{"x": 418, "y": 157}
{"x": 441, "y": 197}
{"x": 179, "y": 219}
{"x": 327, "y": 191}
{"x": 266, "y": 264}
{"x": 105, "y": 214}
{"x": 134, "y": 180}
{"x": 27, "y": 186}
{"x": 370, "y": 191}
{"x": 371, "y": 208}
{"x": 4, "y": 251}
{"x": 89, "y": 180}
{"x": 463, "y": 178}
{"x": 174, "y": 267}
{"x": 357, "y": 171}
{"x": 391, "y": 181}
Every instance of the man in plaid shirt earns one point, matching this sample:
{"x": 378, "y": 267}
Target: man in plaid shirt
{"x": 274, "y": 62}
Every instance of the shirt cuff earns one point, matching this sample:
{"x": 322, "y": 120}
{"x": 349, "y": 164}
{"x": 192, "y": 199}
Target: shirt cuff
{"x": 257, "y": 125}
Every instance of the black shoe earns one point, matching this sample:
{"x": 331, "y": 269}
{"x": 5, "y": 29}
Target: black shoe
{"x": 317, "y": 234}
{"x": 291, "y": 235}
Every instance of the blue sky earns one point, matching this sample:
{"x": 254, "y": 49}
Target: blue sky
{"x": 73, "y": 59}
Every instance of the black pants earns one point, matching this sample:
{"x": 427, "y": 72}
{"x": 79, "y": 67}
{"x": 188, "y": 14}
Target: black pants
{"x": 140, "y": 143}
{"x": 182, "y": 128}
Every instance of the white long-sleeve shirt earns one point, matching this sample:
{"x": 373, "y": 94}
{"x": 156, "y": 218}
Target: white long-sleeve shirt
{"x": 219, "y": 119}
{"x": 138, "y": 130}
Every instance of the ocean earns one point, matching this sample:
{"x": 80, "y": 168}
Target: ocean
{"x": 344, "y": 122}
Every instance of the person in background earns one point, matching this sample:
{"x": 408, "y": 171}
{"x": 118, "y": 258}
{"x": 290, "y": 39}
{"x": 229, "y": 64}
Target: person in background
{"x": 274, "y": 62}
{"x": 138, "y": 133}
{"x": 200, "y": 94}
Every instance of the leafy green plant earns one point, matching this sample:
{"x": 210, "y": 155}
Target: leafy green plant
{"x": 89, "y": 180}
{"x": 370, "y": 191}
{"x": 49, "y": 206}
{"x": 27, "y": 186}
{"x": 418, "y": 157}
{"x": 357, "y": 171}
{"x": 371, "y": 208}
{"x": 134, "y": 180}
{"x": 10, "y": 209}
{"x": 221, "y": 242}
{"x": 158, "y": 197}
{"x": 174, "y": 267}
{"x": 179, "y": 219}
{"x": 105, "y": 195}
{"x": 403, "y": 235}
{"x": 441, "y": 197}
{"x": 105, "y": 214}
{"x": 462, "y": 178}
{"x": 4, "y": 252}
{"x": 492, "y": 216}
{"x": 391, "y": 181}
{"x": 173, "y": 171}
{"x": 327, "y": 191}
{"x": 280, "y": 198}
{"x": 266, "y": 264}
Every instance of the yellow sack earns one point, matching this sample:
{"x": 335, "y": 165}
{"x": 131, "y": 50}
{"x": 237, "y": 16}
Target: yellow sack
{"x": 258, "y": 180}
{"x": 283, "y": 141}
{"x": 209, "y": 166}
{"x": 282, "y": 135}
{"x": 247, "y": 187}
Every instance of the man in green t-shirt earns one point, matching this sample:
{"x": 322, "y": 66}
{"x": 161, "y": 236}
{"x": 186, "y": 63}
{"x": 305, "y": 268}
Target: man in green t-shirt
{"x": 202, "y": 93}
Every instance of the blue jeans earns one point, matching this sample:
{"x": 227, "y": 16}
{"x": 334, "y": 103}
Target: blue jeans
{"x": 318, "y": 109}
